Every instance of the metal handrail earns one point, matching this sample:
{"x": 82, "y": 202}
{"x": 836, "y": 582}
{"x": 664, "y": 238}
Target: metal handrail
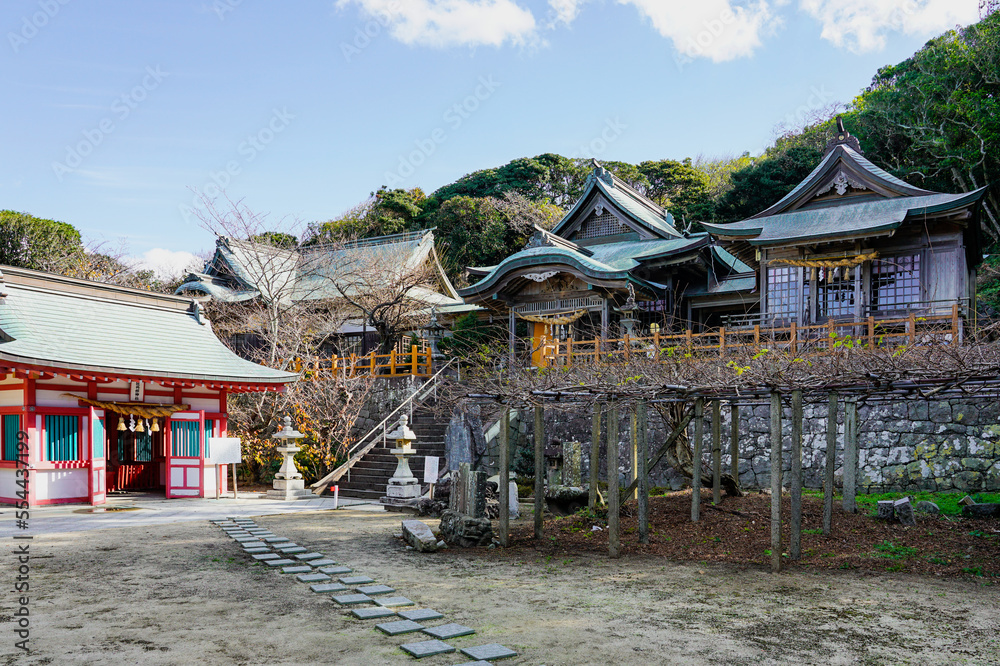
{"x": 354, "y": 456}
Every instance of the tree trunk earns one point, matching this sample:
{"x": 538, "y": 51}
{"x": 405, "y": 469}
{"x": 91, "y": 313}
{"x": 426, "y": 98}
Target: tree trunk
{"x": 679, "y": 455}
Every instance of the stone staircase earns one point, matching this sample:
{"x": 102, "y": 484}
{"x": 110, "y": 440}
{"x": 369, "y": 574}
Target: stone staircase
{"x": 370, "y": 475}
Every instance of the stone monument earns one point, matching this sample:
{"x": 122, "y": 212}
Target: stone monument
{"x": 288, "y": 482}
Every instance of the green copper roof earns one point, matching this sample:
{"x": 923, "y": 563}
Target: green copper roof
{"x": 815, "y": 224}
{"x": 59, "y": 323}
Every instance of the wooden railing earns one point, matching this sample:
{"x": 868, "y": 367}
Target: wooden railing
{"x": 415, "y": 363}
{"x": 912, "y": 329}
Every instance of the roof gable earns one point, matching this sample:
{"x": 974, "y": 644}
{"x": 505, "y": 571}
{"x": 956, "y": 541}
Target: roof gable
{"x": 609, "y": 207}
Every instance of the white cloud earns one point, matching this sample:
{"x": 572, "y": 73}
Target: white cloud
{"x": 861, "y": 25}
{"x": 715, "y": 29}
{"x": 565, "y": 11}
{"x": 445, "y": 23}
{"x": 168, "y": 264}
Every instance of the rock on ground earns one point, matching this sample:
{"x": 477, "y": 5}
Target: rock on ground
{"x": 420, "y": 536}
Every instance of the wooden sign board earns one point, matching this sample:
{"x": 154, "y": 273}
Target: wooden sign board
{"x": 225, "y": 450}
{"x": 431, "y": 469}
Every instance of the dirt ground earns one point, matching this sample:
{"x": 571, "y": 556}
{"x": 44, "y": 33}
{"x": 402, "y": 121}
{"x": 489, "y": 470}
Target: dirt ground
{"x": 186, "y": 594}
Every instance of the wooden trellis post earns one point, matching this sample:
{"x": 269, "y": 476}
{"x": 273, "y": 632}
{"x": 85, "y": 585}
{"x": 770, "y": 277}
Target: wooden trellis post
{"x": 539, "y": 469}
{"x": 734, "y": 441}
{"x": 699, "y": 435}
{"x": 643, "y": 436}
{"x": 850, "y": 455}
{"x": 504, "y": 477}
{"x": 716, "y": 451}
{"x": 595, "y": 456}
{"x": 614, "y": 542}
{"x": 831, "y": 461}
{"x": 775, "y": 482}
{"x": 795, "y": 545}
{"x": 634, "y": 436}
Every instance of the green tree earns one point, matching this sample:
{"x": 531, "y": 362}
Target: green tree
{"x": 32, "y": 242}
{"x": 473, "y": 232}
{"x": 757, "y": 187}
{"x": 680, "y": 188}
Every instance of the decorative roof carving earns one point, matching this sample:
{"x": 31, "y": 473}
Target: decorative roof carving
{"x": 540, "y": 277}
{"x": 844, "y": 138}
{"x": 842, "y": 182}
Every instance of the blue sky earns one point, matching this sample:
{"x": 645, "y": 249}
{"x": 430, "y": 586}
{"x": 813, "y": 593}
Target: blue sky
{"x": 115, "y": 111}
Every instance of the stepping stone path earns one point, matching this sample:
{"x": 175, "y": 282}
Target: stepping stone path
{"x": 426, "y": 648}
{"x": 450, "y": 630}
{"x": 317, "y": 569}
{"x": 371, "y": 613}
{"x": 420, "y": 614}
{"x": 400, "y": 627}
{"x": 355, "y": 580}
{"x": 328, "y": 587}
{"x": 489, "y": 651}
{"x": 389, "y": 602}
{"x": 351, "y": 599}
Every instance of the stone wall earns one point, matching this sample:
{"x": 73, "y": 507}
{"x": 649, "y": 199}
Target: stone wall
{"x": 904, "y": 446}
{"x": 385, "y": 397}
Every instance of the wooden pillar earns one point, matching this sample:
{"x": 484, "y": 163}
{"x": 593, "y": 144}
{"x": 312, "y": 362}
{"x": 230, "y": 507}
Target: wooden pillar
{"x": 831, "y": 462}
{"x": 850, "y": 455}
{"x": 699, "y": 436}
{"x": 635, "y": 451}
{"x": 795, "y": 545}
{"x": 614, "y": 542}
{"x": 504, "y": 477}
{"x": 775, "y": 481}
{"x": 716, "y": 451}
{"x": 643, "y": 485}
{"x": 595, "y": 456}
{"x": 734, "y": 441}
{"x": 512, "y": 331}
{"x": 605, "y": 320}
{"x": 539, "y": 469}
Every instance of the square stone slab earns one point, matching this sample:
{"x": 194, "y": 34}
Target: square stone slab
{"x": 371, "y": 613}
{"x": 282, "y": 545}
{"x": 336, "y": 571}
{"x": 267, "y": 556}
{"x": 450, "y": 630}
{"x": 245, "y": 539}
{"x": 277, "y": 539}
{"x": 397, "y": 628}
{"x": 279, "y": 563}
{"x": 475, "y": 663}
{"x": 355, "y": 580}
{"x": 254, "y": 551}
{"x": 254, "y": 544}
{"x": 351, "y": 599}
{"x": 426, "y": 648}
{"x": 292, "y": 550}
{"x": 309, "y": 556}
{"x": 372, "y": 590}
{"x": 297, "y": 569}
{"x": 328, "y": 587}
{"x": 394, "y": 601}
{"x": 322, "y": 562}
{"x": 312, "y": 578}
{"x": 420, "y": 614}
{"x": 489, "y": 651}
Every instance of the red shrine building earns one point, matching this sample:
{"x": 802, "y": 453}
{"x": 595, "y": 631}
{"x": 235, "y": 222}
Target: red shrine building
{"x": 105, "y": 388}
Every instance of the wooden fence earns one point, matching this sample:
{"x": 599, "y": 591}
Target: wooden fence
{"x": 793, "y": 338}
{"x": 416, "y": 362}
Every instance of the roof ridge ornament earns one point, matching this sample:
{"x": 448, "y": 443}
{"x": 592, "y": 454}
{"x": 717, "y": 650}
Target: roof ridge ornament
{"x": 843, "y": 138}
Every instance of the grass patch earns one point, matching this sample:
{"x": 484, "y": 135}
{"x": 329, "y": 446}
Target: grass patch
{"x": 892, "y": 551}
{"x": 947, "y": 502}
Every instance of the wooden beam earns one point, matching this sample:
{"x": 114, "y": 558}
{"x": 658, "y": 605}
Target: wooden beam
{"x": 655, "y": 459}
{"x": 775, "y": 482}
{"x": 614, "y": 537}
{"x": 831, "y": 461}
{"x": 795, "y": 545}
{"x": 699, "y": 427}
{"x": 539, "y": 469}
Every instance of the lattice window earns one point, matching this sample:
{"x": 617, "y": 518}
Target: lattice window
{"x": 836, "y": 293}
{"x": 598, "y": 226}
{"x": 782, "y": 292}
{"x": 895, "y": 282}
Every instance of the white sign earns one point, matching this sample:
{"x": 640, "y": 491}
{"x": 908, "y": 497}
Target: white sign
{"x": 136, "y": 391}
{"x": 431, "y": 469}
{"x": 225, "y": 450}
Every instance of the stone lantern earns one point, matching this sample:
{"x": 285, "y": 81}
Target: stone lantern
{"x": 288, "y": 482}
{"x": 628, "y": 321}
{"x": 404, "y": 488}
{"x": 435, "y": 333}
